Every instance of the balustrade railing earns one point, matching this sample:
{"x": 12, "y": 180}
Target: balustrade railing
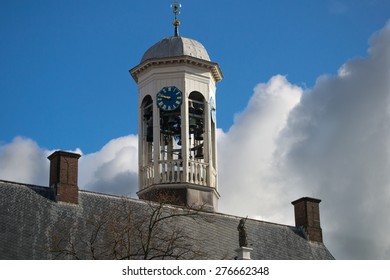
{"x": 197, "y": 173}
{"x": 148, "y": 175}
{"x": 173, "y": 172}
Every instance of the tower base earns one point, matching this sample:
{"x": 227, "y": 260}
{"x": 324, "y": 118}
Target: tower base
{"x": 186, "y": 195}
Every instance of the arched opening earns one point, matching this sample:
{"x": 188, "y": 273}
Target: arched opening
{"x": 196, "y": 105}
{"x": 147, "y": 119}
{"x": 197, "y": 163}
{"x": 146, "y": 161}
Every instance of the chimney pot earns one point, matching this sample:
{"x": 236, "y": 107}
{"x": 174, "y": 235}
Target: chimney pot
{"x": 64, "y": 176}
{"x": 307, "y": 215}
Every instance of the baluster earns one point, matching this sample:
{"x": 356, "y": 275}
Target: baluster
{"x": 204, "y": 175}
{"x": 163, "y": 172}
{"x": 190, "y": 172}
{"x": 196, "y": 173}
{"x": 171, "y": 172}
{"x": 176, "y": 178}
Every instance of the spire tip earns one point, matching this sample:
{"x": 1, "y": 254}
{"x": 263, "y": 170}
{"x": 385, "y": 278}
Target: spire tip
{"x": 176, "y": 23}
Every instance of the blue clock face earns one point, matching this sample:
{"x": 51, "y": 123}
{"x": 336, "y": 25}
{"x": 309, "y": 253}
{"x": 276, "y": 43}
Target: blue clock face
{"x": 169, "y": 98}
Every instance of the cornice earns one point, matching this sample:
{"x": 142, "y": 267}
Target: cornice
{"x": 211, "y": 66}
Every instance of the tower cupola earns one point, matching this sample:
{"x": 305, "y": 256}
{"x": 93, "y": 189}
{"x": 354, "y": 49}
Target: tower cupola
{"x": 177, "y": 123}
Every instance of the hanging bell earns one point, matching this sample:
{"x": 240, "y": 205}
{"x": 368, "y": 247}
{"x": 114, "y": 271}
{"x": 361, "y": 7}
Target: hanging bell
{"x": 198, "y": 135}
{"x": 199, "y": 110}
{"x": 166, "y": 140}
{"x": 171, "y": 121}
{"x": 149, "y": 134}
{"x": 148, "y": 115}
{"x": 192, "y": 123}
{"x": 192, "y": 107}
{"x": 199, "y": 152}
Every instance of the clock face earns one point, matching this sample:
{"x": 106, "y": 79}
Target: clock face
{"x": 213, "y": 109}
{"x": 169, "y": 98}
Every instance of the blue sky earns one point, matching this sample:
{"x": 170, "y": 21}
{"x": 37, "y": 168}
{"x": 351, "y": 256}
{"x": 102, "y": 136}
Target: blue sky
{"x": 64, "y": 64}
{"x": 303, "y": 108}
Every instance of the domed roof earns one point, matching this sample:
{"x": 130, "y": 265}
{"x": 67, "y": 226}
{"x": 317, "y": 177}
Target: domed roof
{"x": 176, "y": 46}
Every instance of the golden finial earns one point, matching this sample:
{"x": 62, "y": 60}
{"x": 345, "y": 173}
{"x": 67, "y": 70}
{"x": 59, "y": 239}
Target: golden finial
{"x": 176, "y": 23}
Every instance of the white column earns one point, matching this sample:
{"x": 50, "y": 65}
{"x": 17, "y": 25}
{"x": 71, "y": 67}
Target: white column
{"x": 184, "y": 134}
{"x": 156, "y": 141}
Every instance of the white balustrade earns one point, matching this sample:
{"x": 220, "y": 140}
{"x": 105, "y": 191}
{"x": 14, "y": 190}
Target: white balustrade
{"x": 197, "y": 173}
{"x": 172, "y": 172}
{"x": 148, "y": 174}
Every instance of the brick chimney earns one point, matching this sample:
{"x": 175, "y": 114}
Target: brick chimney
{"x": 307, "y": 215}
{"x": 63, "y": 176}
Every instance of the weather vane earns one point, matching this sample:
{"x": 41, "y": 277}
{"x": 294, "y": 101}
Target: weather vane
{"x": 176, "y": 23}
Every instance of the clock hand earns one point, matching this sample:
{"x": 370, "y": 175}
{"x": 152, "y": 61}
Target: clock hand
{"x": 165, "y": 96}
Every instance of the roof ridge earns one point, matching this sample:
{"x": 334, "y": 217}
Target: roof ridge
{"x": 22, "y": 184}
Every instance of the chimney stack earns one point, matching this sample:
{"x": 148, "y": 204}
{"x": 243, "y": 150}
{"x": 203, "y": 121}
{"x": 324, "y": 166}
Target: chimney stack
{"x": 307, "y": 215}
{"x": 63, "y": 176}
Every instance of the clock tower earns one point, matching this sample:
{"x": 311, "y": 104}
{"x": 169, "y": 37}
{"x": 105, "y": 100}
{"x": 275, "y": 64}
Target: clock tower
{"x": 177, "y": 122}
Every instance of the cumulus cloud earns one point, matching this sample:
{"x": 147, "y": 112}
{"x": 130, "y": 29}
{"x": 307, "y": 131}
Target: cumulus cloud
{"x": 332, "y": 143}
{"x": 23, "y": 160}
{"x": 113, "y": 169}
{"x": 337, "y": 144}
{"x": 248, "y": 179}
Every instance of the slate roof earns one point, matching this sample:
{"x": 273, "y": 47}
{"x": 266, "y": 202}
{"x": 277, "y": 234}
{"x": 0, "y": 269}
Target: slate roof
{"x": 29, "y": 216}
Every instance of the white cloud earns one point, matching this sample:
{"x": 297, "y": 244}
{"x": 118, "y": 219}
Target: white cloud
{"x": 113, "y": 169}
{"x": 23, "y": 161}
{"x": 247, "y": 176}
{"x": 343, "y": 127}
{"x": 334, "y": 145}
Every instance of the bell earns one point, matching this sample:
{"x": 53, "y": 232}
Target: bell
{"x": 192, "y": 123}
{"x": 171, "y": 121}
{"x": 148, "y": 115}
{"x": 149, "y": 134}
{"x": 199, "y": 152}
{"x": 198, "y": 135}
{"x": 166, "y": 140}
{"x": 192, "y": 108}
{"x": 199, "y": 110}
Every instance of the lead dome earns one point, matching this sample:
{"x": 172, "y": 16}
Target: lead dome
{"x": 174, "y": 47}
